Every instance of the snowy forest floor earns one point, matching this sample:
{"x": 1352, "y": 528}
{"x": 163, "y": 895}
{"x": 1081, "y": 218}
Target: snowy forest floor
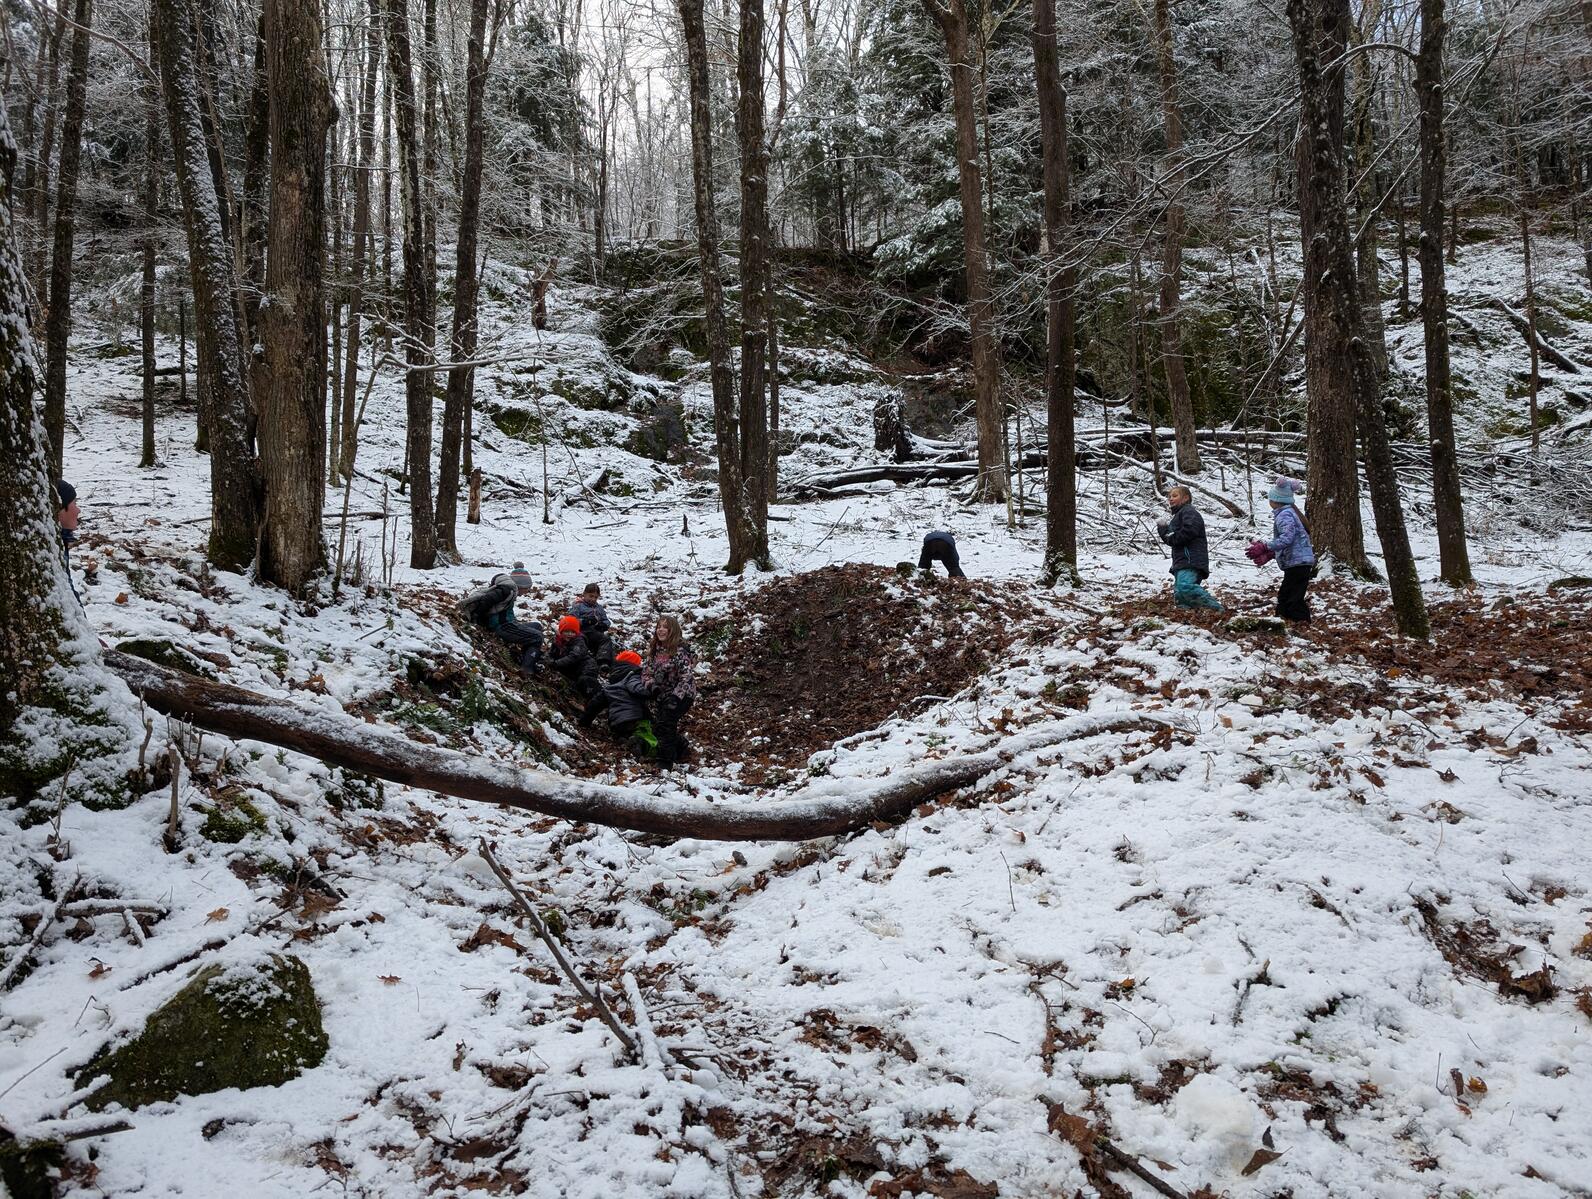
{"x": 1339, "y": 912}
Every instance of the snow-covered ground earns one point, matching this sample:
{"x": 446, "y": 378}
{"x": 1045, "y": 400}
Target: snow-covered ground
{"x": 1231, "y": 930}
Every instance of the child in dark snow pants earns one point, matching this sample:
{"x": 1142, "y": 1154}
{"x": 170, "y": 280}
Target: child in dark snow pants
{"x": 940, "y": 547}
{"x": 668, "y": 676}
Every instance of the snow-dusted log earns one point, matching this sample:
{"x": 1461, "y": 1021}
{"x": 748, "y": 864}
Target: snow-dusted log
{"x": 824, "y": 808}
{"x": 1525, "y": 330}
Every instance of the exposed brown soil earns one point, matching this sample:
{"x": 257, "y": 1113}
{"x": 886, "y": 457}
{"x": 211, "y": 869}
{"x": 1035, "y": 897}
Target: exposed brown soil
{"x": 812, "y": 659}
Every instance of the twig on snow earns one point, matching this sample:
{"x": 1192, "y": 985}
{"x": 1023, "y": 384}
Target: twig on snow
{"x": 604, "y": 1013}
{"x": 23, "y": 955}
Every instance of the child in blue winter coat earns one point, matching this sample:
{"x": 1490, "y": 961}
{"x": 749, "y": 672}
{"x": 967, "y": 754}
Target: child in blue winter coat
{"x": 1290, "y": 546}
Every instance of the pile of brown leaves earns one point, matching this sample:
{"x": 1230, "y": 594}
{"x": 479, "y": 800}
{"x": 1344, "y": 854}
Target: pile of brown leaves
{"x": 809, "y": 660}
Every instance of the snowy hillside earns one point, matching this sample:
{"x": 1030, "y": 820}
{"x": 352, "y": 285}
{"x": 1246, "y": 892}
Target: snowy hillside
{"x": 1320, "y": 924}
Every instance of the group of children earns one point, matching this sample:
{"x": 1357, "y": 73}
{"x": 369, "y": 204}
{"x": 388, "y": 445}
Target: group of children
{"x": 645, "y": 699}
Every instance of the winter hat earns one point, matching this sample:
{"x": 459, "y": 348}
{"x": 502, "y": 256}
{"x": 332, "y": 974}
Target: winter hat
{"x": 1284, "y": 490}
{"x": 568, "y": 624}
{"x": 521, "y": 577}
{"x": 65, "y": 493}
{"x": 629, "y": 656}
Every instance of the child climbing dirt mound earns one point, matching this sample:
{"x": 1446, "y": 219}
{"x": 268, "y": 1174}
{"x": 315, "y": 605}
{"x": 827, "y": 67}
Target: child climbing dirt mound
{"x": 811, "y": 659}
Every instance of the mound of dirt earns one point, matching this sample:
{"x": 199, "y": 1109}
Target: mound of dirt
{"x": 809, "y": 660}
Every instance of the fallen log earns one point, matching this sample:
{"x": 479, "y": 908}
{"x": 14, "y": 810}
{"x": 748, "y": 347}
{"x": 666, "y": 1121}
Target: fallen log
{"x": 1232, "y": 508}
{"x": 824, "y": 808}
{"x": 1523, "y": 326}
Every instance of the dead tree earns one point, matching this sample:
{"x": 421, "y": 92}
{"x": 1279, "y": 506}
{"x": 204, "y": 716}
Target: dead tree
{"x": 234, "y": 476}
{"x": 1454, "y": 556}
{"x": 58, "y": 314}
{"x": 292, "y": 396}
{"x": 418, "y": 318}
{"x": 726, "y": 415}
{"x": 465, "y": 284}
{"x": 755, "y": 283}
{"x": 1319, "y": 30}
{"x": 1061, "y": 476}
{"x": 1171, "y": 322}
{"x": 993, "y": 484}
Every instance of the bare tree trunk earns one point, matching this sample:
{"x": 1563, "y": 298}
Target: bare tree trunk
{"x": 1171, "y": 322}
{"x": 41, "y": 181}
{"x": 146, "y": 295}
{"x": 1061, "y": 469}
{"x": 338, "y": 290}
{"x": 234, "y": 475}
{"x": 430, "y": 85}
{"x": 418, "y": 310}
{"x": 58, "y": 318}
{"x": 292, "y": 401}
{"x": 1332, "y": 476}
{"x": 726, "y": 416}
{"x": 363, "y": 258}
{"x": 1320, "y": 29}
{"x": 386, "y": 203}
{"x": 1367, "y": 267}
{"x": 1535, "y": 378}
{"x": 1453, "y": 554}
{"x": 993, "y": 483}
{"x": 755, "y": 279}
{"x": 465, "y": 278}
{"x": 252, "y": 231}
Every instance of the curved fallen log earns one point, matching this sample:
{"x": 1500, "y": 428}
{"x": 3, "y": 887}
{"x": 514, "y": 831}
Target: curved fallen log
{"x": 824, "y": 808}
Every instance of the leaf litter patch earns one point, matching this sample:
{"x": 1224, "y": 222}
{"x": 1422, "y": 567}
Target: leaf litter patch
{"x": 809, "y": 660}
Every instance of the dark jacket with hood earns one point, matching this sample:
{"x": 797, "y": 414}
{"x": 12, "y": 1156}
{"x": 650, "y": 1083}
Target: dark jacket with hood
{"x": 570, "y": 656}
{"x": 592, "y": 617}
{"x": 627, "y": 696}
{"x": 1186, "y": 535}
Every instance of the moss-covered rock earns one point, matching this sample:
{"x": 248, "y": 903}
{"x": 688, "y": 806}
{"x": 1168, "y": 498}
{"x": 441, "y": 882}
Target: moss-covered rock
{"x": 27, "y": 1167}
{"x": 238, "y": 1026}
{"x": 661, "y": 436}
{"x": 231, "y": 817}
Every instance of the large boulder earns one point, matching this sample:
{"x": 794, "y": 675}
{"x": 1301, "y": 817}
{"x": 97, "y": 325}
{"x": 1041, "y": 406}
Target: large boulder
{"x": 255, "y": 1025}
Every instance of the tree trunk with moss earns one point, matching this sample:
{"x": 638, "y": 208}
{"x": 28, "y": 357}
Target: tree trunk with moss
{"x": 234, "y": 474}
{"x": 55, "y": 719}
